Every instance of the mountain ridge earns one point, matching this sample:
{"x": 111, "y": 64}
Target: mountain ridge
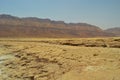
{"x": 12, "y": 26}
{"x": 115, "y": 30}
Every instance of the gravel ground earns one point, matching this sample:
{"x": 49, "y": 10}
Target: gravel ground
{"x": 55, "y": 59}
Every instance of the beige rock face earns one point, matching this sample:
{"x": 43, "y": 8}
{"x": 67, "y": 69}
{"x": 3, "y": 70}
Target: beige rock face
{"x": 60, "y": 59}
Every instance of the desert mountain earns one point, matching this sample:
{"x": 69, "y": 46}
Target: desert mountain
{"x": 115, "y": 31}
{"x": 12, "y": 26}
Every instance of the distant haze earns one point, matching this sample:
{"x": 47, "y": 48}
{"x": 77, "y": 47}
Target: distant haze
{"x": 102, "y": 13}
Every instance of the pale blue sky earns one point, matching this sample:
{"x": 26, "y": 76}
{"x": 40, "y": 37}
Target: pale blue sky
{"x": 103, "y": 13}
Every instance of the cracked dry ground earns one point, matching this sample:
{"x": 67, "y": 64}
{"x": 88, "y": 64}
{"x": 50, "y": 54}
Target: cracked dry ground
{"x": 44, "y": 61}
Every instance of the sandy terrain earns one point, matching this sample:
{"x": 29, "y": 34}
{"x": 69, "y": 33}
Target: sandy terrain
{"x": 60, "y": 59}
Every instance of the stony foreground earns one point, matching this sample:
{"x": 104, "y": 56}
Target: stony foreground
{"x": 56, "y": 59}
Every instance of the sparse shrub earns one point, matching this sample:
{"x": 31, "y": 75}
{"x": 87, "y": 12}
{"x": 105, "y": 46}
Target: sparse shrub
{"x": 64, "y": 50}
{"x": 95, "y": 54}
{"x": 106, "y": 45}
{"x": 117, "y": 40}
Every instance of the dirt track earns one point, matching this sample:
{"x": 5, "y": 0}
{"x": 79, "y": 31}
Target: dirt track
{"x": 60, "y": 59}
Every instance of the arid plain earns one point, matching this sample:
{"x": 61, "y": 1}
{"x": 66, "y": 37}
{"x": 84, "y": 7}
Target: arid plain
{"x": 60, "y": 59}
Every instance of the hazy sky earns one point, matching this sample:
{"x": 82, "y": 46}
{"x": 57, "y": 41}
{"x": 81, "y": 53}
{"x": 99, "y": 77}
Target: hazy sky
{"x": 103, "y": 13}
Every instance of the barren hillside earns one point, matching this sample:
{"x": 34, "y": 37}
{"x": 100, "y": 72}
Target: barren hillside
{"x": 115, "y": 31}
{"x": 11, "y": 26}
